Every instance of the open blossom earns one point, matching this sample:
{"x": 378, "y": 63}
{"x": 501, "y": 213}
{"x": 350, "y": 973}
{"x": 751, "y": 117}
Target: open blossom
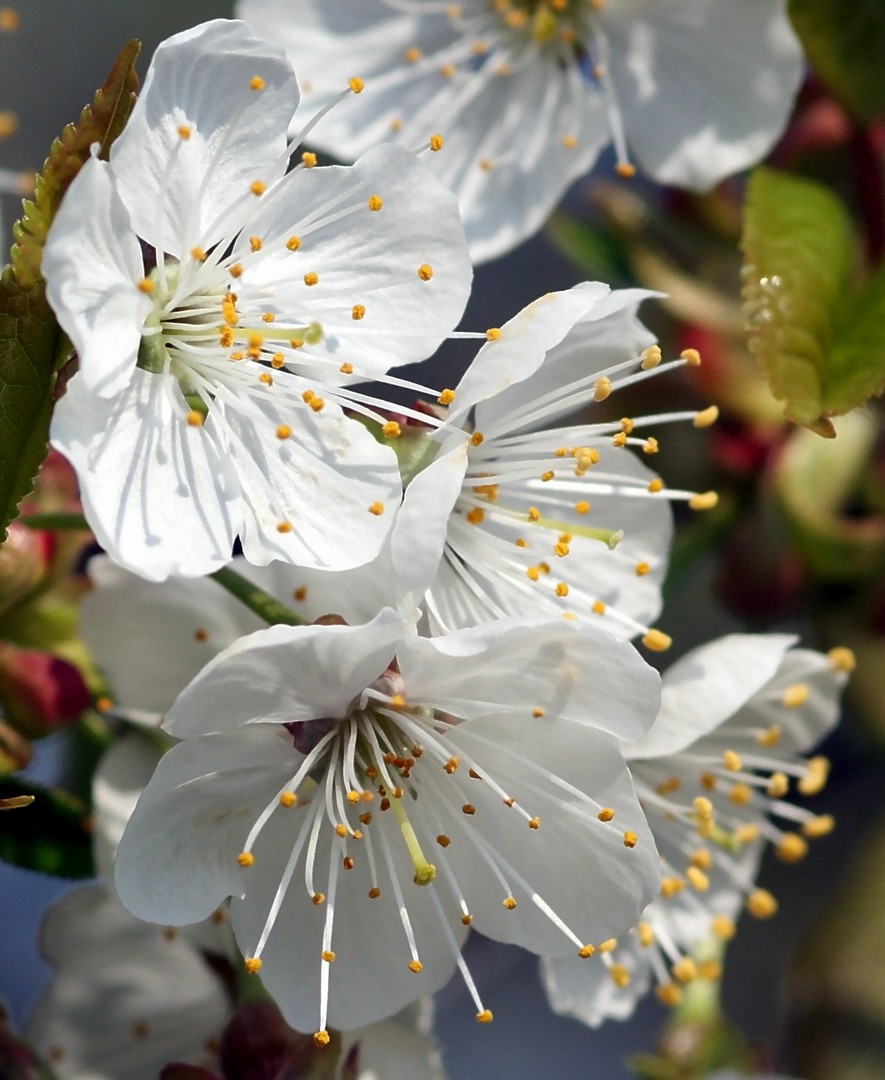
{"x": 365, "y": 795}
{"x": 737, "y": 717}
{"x": 528, "y": 93}
{"x": 219, "y": 306}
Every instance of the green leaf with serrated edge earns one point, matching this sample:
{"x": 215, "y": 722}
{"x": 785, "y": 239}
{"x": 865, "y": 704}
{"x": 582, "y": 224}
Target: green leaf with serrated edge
{"x": 50, "y": 836}
{"x": 798, "y": 246}
{"x": 856, "y": 366}
{"x": 845, "y": 42}
{"x": 31, "y": 344}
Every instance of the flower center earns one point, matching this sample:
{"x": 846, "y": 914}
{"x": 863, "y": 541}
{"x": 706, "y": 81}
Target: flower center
{"x": 548, "y": 21}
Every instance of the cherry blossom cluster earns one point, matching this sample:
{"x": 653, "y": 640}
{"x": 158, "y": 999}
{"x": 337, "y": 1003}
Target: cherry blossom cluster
{"x": 452, "y": 728}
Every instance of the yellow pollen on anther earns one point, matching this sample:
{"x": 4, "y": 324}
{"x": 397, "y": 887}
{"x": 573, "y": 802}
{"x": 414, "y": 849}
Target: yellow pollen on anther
{"x": 356, "y": 85}
{"x": 236, "y": 270}
{"x": 476, "y": 515}
{"x": 642, "y": 568}
{"x": 655, "y": 485}
{"x": 657, "y": 641}
{"x": 412, "y": 55}
{"x": 582, "y": 506}
{"x": 619, "y": 975}
{"x": 740, "y": 794}
{"x": 619, "y": 439}
{"x": 256, "y": 83}
{"x": 425, "y": 272}
{"x": 376, "y": 508}
{"x": 778, "y": 785}
{"x": 533, "y": 513}
{"x": 697, "y": 879}
{"x": 266, "y": 378}
{"x": 346, "y": 368}
{"x": 586, "y": 951}
{"x": 198, "y": 253}
{"x": 321, "y": 1038}
{"x": 284, "y": 431}
{"x": 842, "y": 659}
{"x": 446, "y": 397}
{"x": 650, "y": 358}
{"x": 668, "y": 994}
{"x": 374, "y": 892}
{"x": 328, "y": 956}
{"x": 509, "y": 903}
{"x": 706, "y": 417}
{"x": 794, "y": 696}
{"x": 685, "y": 969}
{"x": 469, "y": 809}
{"x": 194, "y": 418}
{"x": 791, "y": 848}
{"x": 597, "y": 607}
{"x": 703, "y": 807}
{"x": 308, "y": 159}
{"x": 252, "y": 964}
{"x": 375, "y": 202}
{"x": 311, "y": 278}
{"x": 416, "y": 966}
{"x": 609, "y": 945}
{"x": 561, "y": 589}
{"x": 391, "y": 430}
{"x": 671, "y": 886}
{"x": 184, "y": 132}
{"x": 723, "y": 927}
{"x": 341, "y": 830}
{"x": 436, "y": 143}
{"x": 485, "y": 1017}
{"x": 746, "y": 833}
{"x": 258, "y": 187}
{"x": 816, "y": 776}
{"x": 770, "y": 737}
{"x": 645, "y": 934}
{"x": 761, "y": 904}
{"x": 293, "y": 243}
{"x": 630, "y": 839}
{"x": 533, "y": 573}
{"x": 732, "y": 761}
{"x": 145, "y": 285}
{"x": 602, "y": 388}
{"x": 288, "y": 798}
{"x": 625, "y": 170}
{"x": 569, "y": 142}
{"x": 493, "y": 333}
{"x": 357, "y": 312}
{"x": 606, "y": 814}
{"x": 650, "y": 446}
{"x": 822, "y": 825}
{"x": 246, "y": 858}
{"x": 534, "y": 823}
{"x": 443, "y": 840}
{"x": 284, "y": 527}
{"x": 691, "y": 356}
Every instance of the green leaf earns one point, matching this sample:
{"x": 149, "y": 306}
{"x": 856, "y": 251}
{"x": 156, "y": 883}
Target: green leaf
{"x": 51, "y": 835}
{"x": 845, "y": 42}
{"x": 798, "y": 246}
{"x": 856, "y": 368}
{"x": 32, "y": 347}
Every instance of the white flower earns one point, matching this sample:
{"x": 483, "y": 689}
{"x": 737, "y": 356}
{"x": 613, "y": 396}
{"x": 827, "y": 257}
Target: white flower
{"x": 736, "y": 717}
{"x": 127, "y": 997}
{"x": 218, "y": 304}
{"x": 364, "y": 795}
{"x": 528, "y": 94}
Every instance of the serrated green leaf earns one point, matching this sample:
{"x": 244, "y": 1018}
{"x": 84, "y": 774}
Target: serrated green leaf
{"x": 798, "y": 246}
{"x": 845, "y": 42}
{"x": 51, "y": 835}
{"x": 100, "y": 122}
{"x": 856, "y": 367}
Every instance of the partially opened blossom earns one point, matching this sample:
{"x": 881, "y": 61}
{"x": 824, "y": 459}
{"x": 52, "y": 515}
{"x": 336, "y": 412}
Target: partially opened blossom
{"x": 528, "y": 93}
{"x": 365, "y": 795}
{"x": 218, "y": 303}
{"x": 737, "y": 717}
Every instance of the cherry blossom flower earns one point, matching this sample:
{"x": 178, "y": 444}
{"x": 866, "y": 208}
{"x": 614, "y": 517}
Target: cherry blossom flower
{"x": 529, "y": 93}
{"x": 737, "y": 717}
{"x": 219, "y": 306}
{"x": 365, "y": 795}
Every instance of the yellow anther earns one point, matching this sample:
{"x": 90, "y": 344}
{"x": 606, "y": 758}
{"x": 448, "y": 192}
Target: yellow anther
{"x": 425, "y": 272}
{"x": 416, "y": 966}
{"x": 816, "y": 776}
{"x": 284, "y": 527}
{"x": 586, "y": 951}
{"x": 778, "y": 785}
{"x": 794, "y": 696}
{"x": 625, "y": 170}
{"x": 258, "y": 187}
{"x": 706, "y": 417}
{"x": 103, "y": 704}
{"x": 469, "y": 809}
{"x": 446, "y": 397}
{"x": 740, "y": 794}
{"x": 493, "y": 333}
{"x": 697, "y": 879}
{"x": 246, "y": 858}
{"x": 300, "y": 593}
{"x": 391, "y": 430}
{"x": 746, "y": 833}
{"x": 582, "y": 506}
{"x": 288, "y": 798}
{"x": 707, "y": 781}
{"x": 761, "y": 904}
{"x": 703, "y": 807}
{"x": 346, "y": 368}
{"x": 447, "y": 71}
{"x": 609, "y": 945}
{"x": 311, "y": 278}
{"x": 377, "y": 508}
{"x": 691, "y": 356}
{"x": 266, "y": 378}
{"x": 619, "y": 439}
{"x": 356, "y": 85}
{"x": 256, "y": 83}
{"x": 486, "y": 165}
{"x": 606, "y": 814}
{"x": 199, "y": 254}
{"x": 308, "y": 159}
{"x": 479, "y": 48}
{"x": 732, "y": 761}
{"x": 537, "y": 713}
{"x": 436, "y": 143}
{"x": 293, "y": 243}
{"x": 534, "y": 823}
{"x": 477, "y": 438}
{"x": 397, "y": 701}
{"x": 822, "y": 825}
{"x": 770, "y": 737}
{"x": 650, "y": 358}
{"x": 630, "y": 839}
{"x": 597, "y": 607}
{"x": 657, "y": 641}
{"x": 277, "y": 360}
{"x": 645, "y": 934}
{"x": 668, "y": 994}
{"x": 321, "y": 1038}
{"x": 561, "y": 550}
{"x": 533, "y": 573}
{"x": 668, "y": 786}
{"x": 341, "y": 830}
{"x": 451, "y": 765}
{"x": 485, "y": 1017}
{"x": 194, "y": 418}
{"x": 533, "y": 513}
{"x": 328, "y": 956}
{"x": 650, "y": 446}
{"x": 641, "y": 569}
{"x": 10, "y": 20}
{"x": 792, "y": 848}
{"x": 268, "y": 316}
{"x": 374, "y": 892}
{"x": 412, "y": 55}
{"x": 547, "y": 475}
{"x": 685, "y": 969}
{"x": 704, "y": 500}
{"x": 711, "y": 970}
{"x": 375, "y": 202}
{"x": 476, "y": 515}
{"x": 561, "y": 589}
{"x": 184, "y": 132}
{"x": 443, "y": 840}
{"x": 296, "y": 343}
{"x": 602, "y": 388}
{"x": 520, "y": 542}
{"x": 569, "y": 142}
{"x": 723, "y": 927}
{"x": 619, "y": 975}
{"x": 842, "y": 659}
{"x": 252, "y": 964}
{"x": 509, "y": 903}
{"x": 671, "y": 886}
{"x": 357, "y": 312}
{"x": 656, "y": 485}
{"x": 284, "y": 431}
{"x": 145, "y": 285}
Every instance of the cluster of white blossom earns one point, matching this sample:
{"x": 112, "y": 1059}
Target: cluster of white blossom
{"x": 464, "y": 735}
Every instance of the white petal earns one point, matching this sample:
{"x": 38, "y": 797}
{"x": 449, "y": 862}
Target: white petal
{"x": 158, "y": 494}
{"x": 365, "y": 257}
{"x": 286, "y": 673}
{"x": 92, "y": 264}
{"x": 180, "y": 191}
{"x": 390, "y": 1049}
{"x": 127, "y": 997}
{"x": 705, "y": 87}
{"x": 584, "y": 990}
{"x": 177, "y": 859}
{"x": 709, "y": 685}
{"x": 520, "y": 350}
{"x": 568, "y": 669}
{"x": 150, "y": 640}
{"x": 320, "y": 485}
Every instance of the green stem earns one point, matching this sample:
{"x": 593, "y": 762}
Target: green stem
{"x": 263, "y": 604}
